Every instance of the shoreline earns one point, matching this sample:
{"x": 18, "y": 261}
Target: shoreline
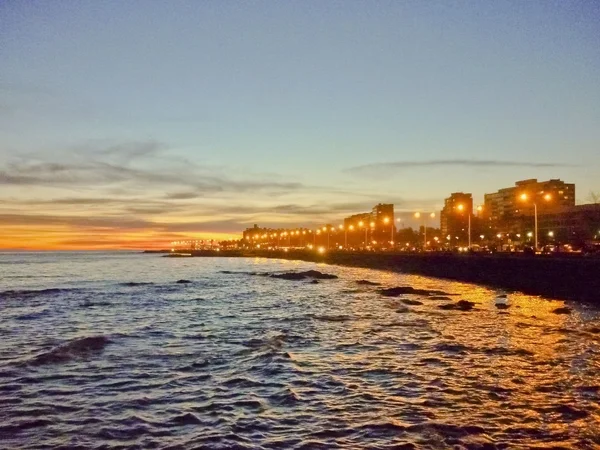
{"x": 576, "y": 279}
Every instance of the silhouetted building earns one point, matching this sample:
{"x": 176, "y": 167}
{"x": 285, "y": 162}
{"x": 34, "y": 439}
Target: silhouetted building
{"x": 382, "y": 215}
{"x": 503, "y": 209}
{"x": 573, "y": 225}
{"x": 455, "y": 215}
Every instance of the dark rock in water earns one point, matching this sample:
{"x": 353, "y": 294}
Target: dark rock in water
{"x": 289, "y": 276}
{"x": 74, "y": 349}
{"x": 571, "y": 413}
{"x": 368, "y": 283}
{"x": 461, "y": 305}
{"x": 562, "y": 310}
{"x": 502, "y": 306}
{"x": 186, "y": 419}
{"x": 400, "y": 290}
{"x": 447, "y": 306}
{"x": 408, "y": 301}
{"x": 183, "y": 281}
{"x": 302, "y": 275}
{"x": 319, "y": 275}
{"x": 314, "y": 282}
{"x": 465, "y": 305}
{"x": 402, "y": 310}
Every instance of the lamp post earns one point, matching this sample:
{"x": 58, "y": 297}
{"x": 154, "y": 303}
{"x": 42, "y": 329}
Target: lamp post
{"x": 386, "y": 220}
{"x": 342, "y": 227}
{"x": 327, "y": 229}
{"x": 525, "y": 197}
{"x": 372, "y": 227}
{"x": 360, "y": 225}
{"x": 461, "y": 207}
{"x": 418, "y": 215}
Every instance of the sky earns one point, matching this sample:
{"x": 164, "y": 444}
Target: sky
{"x": 132, "y": 124}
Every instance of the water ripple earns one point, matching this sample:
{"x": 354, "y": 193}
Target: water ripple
{"x": 122, "y": 355}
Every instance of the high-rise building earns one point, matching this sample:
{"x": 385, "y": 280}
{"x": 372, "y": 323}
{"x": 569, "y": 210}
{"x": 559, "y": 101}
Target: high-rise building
{"x": 573, "y": 225}
{"x": 503, "y": 210}
{"x": 382, "y": 215}
{"x": 454, "y": 216}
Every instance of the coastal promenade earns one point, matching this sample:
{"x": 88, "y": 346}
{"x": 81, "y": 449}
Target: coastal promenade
{"x": 575, "y": 278}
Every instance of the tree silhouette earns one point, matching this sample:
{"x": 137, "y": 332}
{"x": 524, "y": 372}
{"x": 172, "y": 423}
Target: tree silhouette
{"x": 593, "y": 197}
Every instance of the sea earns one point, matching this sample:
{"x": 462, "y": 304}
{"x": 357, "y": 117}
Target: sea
{"x": 138, "y": 351}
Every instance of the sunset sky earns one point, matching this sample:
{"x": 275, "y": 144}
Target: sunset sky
{"x": 131, "y": 124}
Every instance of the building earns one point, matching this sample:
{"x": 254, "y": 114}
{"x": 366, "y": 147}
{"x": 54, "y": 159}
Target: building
{"x": 572, "y": 225}
{"x": 356, "y": 219}
{"x": 382, "y": 215}
{"x": 454, "y": 217}
{"x": 503, "y": 210}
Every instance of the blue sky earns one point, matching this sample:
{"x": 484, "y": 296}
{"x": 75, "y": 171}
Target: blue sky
{"x": 268, "y": 112}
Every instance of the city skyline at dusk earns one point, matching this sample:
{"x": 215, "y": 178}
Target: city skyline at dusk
{"x": 130, "y": 125}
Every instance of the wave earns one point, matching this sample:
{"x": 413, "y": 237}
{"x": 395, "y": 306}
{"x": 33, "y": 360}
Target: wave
{"x": 20, "y": 294}
{"x": 136, "y": 283}
{"x": 77, "y": 348}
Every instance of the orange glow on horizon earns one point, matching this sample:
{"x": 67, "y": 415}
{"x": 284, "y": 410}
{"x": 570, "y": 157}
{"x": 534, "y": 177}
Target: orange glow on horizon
{"x": 62, "y": 237}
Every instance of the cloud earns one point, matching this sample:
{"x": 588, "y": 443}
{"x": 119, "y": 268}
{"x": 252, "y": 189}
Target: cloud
{"x": 378, "y": 169}
{"x": 138, "y": 165}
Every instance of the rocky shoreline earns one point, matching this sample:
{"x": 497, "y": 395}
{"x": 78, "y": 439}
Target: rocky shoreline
{"x": 575, "y": 279}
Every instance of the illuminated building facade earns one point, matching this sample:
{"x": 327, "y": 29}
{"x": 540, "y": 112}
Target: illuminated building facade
{"x": 455, "y": 215}
{"x": 503, "y": 210}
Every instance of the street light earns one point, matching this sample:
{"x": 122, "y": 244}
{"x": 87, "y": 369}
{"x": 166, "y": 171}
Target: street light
{"x": 417, "y": 215}
{"x": 524, "y": 197}
{"x": 342, "y": 227}
{"x": 461, "y": 207}
{"x": 386, "y": 220}
{"x": 360, "y": 225}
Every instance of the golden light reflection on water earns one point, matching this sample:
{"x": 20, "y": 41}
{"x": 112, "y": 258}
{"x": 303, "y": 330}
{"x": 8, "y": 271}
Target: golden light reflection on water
{"x": 511, "y": 367}
{"x": 329, "y": 362}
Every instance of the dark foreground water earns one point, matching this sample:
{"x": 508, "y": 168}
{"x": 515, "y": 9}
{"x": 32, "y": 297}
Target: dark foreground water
{"x": 109, "y": 351}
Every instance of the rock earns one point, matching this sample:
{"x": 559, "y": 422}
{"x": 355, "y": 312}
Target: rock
{"x": 502, "y": 306}
{"x": 183, "y": 281}
{"x": 314, "y": 282}
{"x": 571, "y": 413}
{"x": 400, "y": 290}
{"x": 461, "y": 305}
{"x": 319, "y": 275}
{"x": 289, "y": 276}
{"x": 447, "y": 306}
{"x": 402, "y": 310}
{"x": 186, "y": 419}
{"x": 562, "y": 310}
{"x": 465, "y": 305}
{"x": 302, "y": 275}
{"x": 407, "y": 301}
{"x": 368, "y": 283}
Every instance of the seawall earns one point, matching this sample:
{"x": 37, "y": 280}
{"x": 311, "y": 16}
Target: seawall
{"x": 561, "y": 278}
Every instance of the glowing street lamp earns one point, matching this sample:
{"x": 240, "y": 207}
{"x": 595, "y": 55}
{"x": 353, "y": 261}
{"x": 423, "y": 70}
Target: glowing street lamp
{"x": 360, "y": 225}
{"x": 461, "y": 208}
{"x": 524, "y": 197}
{"x": 417, "y": 216}
{"x": 341, "y": 227}
{"x": 386, "y": 220}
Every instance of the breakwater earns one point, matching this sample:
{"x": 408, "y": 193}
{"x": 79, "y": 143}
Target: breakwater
{"x": 576, "y": 278}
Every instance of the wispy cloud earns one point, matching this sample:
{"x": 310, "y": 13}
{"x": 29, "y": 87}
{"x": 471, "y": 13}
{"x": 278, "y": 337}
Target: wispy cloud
{"x": 135, "y": 164}
{"x": 378, "y": 169}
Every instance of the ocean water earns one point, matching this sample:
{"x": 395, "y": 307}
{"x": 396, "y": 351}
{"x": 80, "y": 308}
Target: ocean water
{"x": 108, "y": 350}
